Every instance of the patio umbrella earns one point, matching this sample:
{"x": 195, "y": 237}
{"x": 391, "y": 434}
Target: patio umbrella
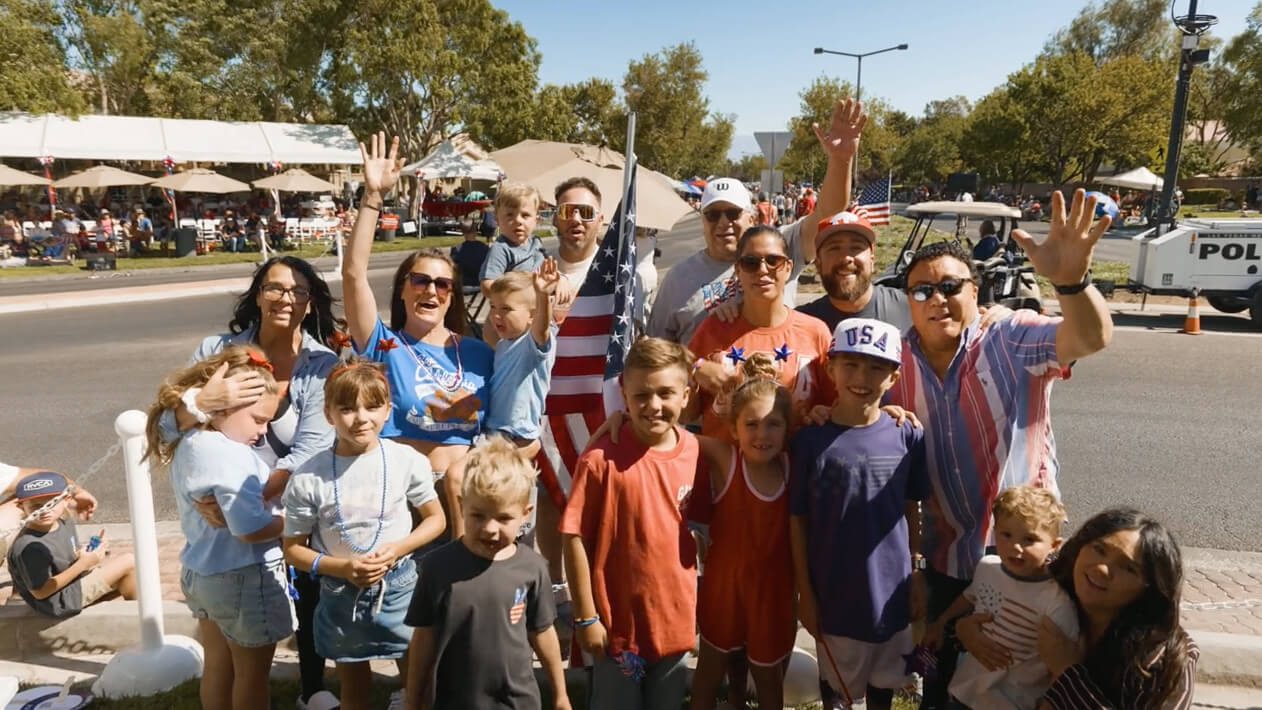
{"x": 656, "y": 204}
{"x": 295, "y": 180}
{"x": 1137, "y": 179}
{"x": 102, "y": 176}
{"x": 11, "y": 177}
{"x": 201, "y": 180}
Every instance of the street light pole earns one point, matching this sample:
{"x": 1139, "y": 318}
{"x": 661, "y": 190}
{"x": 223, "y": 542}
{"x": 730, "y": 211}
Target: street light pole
{"x": 858, "y": 83}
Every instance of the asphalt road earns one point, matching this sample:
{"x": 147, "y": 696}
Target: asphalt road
{"x": 1160, "y": 420}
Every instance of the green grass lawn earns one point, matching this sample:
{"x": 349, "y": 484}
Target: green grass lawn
{"x": 155, "y": 260}
{"x": 1209, "y": 212}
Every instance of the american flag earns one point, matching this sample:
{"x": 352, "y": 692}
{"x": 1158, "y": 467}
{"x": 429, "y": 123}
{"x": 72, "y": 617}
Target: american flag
{"x": 874, "y": 202}
{"x": 591, "y": 347}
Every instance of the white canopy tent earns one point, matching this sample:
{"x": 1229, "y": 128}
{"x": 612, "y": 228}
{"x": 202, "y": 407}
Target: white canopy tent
{"x": 1138, "y": 179}
{"x": 25, "y": 135}
{"x": 447, "y": 162}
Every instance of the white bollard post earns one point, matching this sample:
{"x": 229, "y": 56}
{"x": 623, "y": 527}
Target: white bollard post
{"x": 160, "y": 662}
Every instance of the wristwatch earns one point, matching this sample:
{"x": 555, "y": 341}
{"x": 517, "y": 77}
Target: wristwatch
{"x": 919, "y": 563}
{"x": 1076, "y": 288}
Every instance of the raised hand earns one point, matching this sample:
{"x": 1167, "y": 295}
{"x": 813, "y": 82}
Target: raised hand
{"x": 842, "y": 138}
{"x": 381, "y": 169}
{"x": 547, "y": 277}
{"x": 1064, "y": 257}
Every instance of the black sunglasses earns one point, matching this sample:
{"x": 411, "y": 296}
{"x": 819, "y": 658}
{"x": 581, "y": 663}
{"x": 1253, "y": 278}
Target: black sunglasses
{"x": 751, "y": 264}
{"x": 442, "y": 284}
{"x": 921, "y": 293}
{"x": 732, "y": 214}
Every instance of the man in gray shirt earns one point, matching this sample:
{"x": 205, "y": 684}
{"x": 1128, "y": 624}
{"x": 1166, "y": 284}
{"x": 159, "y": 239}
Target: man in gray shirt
{"x": 698, "y": 284}
{"x": 845, "y": 254}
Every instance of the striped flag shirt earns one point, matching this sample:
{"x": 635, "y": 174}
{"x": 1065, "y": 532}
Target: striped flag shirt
{"x": 987, "y": 428}
{"x": 874, "y": 202}
{"x": 591, "y": 345}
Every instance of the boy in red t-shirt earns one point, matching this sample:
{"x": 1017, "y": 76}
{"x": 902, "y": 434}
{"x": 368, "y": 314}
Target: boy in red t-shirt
{"x": 629, "y": 555}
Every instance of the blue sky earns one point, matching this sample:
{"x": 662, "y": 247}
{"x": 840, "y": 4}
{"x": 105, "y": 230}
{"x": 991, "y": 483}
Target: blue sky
{"x": 758, "y": 54}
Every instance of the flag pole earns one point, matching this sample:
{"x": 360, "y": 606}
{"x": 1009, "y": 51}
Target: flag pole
{"x": 628, "y": 165}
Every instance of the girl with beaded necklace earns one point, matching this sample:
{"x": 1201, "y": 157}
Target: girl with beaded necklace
{"x": 347, "y": 521}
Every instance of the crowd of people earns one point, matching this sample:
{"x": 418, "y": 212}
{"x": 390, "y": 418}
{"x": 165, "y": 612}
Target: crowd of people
{"x": 872, "y": 458}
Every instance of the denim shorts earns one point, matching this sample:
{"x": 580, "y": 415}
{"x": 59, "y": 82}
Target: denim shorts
{"x": 250, "y": 605}
{"x": 354, "y": 624}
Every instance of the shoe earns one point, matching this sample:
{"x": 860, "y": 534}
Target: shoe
{"x": 323, "y": 700}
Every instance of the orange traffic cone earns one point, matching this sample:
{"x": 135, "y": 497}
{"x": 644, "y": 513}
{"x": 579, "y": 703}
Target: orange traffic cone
{"x": 1192, "y": 323}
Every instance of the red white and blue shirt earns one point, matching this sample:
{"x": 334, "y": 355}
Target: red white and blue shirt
{"x": 987, "y": 428}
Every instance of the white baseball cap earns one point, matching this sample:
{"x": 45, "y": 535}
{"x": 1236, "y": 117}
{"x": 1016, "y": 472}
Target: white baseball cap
{"x": 868, "y": 336}
{"x": 729, "y": 190}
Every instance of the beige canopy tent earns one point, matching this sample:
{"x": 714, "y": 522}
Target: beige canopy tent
{"x": 545, "y": 164}
{"x": 102, "y": 176}
{"x": 1138, "y": 179}
{"x": 295, "y": 180}
{"x": 14, "y": 178}
{"x": 201, "y": 180}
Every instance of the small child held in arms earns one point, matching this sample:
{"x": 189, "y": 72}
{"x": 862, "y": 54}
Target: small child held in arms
{"x": 483, "y": 602}
{"x": 1015, "y": 589}
{"x": 629, "y": 555}
{"x": 55, "y": 574}
{"x": 233, "y": 578}
{"x": 516, "y": 248}
{"x": 855, "y": 526}
{"x": 347, "y": 519}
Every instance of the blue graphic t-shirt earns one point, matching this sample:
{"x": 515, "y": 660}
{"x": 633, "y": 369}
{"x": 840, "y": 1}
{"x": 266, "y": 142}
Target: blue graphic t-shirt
{"x": 438, "y": 394}
{"x": 851, "y": 485}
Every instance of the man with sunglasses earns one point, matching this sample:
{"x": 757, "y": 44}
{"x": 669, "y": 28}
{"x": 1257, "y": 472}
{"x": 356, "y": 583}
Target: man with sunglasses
{"x": 698, "y": 284}
{"x": 983, "y": 394}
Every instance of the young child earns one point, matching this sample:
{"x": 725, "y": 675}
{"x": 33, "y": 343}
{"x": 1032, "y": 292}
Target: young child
{"x": 483, "y": 602}
{"x": 347, "y": 519}
{"x": 629, "y": 555}
{"x": 53, "y": 573}
{"x": 233, "y": 578}
{"x": 746, "y": 596}
{"x": 517, "y": 248}
{"x": 1014, "y": 587}
{"x": 855, "y": 524}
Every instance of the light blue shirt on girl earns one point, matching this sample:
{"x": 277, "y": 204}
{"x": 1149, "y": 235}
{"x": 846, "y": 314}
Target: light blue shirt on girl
{"x": 207, "y": 462}
{"x": 519, "y": 384}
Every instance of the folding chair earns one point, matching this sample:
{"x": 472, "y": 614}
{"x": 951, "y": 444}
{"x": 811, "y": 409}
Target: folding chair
{"x": 207, "y": 235}
{"x": 291, "y": 229}
{"x": 474, "y": 302}
{"x": 306, "y": 230}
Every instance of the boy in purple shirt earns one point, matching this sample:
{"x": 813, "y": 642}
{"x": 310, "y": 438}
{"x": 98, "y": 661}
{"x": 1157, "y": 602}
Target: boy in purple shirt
{"x": 855, "y": 523}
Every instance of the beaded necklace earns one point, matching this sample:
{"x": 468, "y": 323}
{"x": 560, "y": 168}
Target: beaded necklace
{"x": 337, "y": 505}
{"x": 446, "y": 380}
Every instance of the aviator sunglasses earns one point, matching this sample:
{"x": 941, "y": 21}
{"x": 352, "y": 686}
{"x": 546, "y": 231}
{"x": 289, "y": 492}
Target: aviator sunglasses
{"x": 732, "y": 214}
{"x": 921, "y": 293}
{"x": 751, "y": 264}
{"x": 419, "y": 281}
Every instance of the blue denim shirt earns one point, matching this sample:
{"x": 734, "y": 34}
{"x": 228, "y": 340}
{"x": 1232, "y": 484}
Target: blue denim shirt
{"x": 306, "y": 393}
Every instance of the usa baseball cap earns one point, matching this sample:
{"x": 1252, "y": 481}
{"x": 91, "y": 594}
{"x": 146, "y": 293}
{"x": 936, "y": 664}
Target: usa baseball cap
{"x": 40, "y": 485}
{"x": 729, "y": 190}
{"x": 868, "y": 336}
{"x": 845, "y": 222}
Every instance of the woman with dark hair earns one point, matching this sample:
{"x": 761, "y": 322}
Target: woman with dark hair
{"x": 1125, "y": 572}
{"x": 438, "y": 378}
{"x": 287, "y": 313}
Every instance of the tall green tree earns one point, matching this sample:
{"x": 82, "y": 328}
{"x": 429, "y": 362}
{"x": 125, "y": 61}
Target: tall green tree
{"x": 676, "y": 133}
{"x": 33, "y": 75}
{"x": 997, "y": 141}
{"x": 931, "y": 151}
{"x": 1119, "y": 28}
{"x": 1243, "y": 91}
{"x": 803, "y": 161}
{"x": 586, "y": 112}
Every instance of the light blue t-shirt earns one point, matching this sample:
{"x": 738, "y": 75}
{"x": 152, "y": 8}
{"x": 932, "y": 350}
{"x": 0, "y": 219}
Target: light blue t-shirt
{"x": 437, "y": 393}
{"x": 206, "y": 461}
{"x": 520, "y": 384}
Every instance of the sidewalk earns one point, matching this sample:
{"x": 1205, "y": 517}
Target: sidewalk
{"x": 1222, "y": 601}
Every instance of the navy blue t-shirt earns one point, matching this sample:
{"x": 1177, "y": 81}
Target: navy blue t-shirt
{"x": 851, "y": 485}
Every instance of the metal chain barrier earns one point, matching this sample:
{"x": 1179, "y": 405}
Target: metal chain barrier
{"x": 1214, "y": 606}
{"x": 70, "y": 491}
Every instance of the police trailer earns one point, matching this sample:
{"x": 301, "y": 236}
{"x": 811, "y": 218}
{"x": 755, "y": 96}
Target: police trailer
{"x": 1220, "y": 259}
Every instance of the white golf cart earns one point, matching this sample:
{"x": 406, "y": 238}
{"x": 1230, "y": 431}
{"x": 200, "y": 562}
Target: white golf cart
{"x": 1006, "y": 278}
{"x": 1220, "y": 259}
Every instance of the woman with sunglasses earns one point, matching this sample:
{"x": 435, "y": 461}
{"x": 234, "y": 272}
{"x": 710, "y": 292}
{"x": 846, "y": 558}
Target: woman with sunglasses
{"x": 438, "y": 378}
{"x": 798, "y": 343}
{"x": 287, "y": 313}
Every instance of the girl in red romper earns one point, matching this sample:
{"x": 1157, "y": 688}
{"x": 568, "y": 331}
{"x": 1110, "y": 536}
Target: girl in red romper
{"x": 746, "y": 595}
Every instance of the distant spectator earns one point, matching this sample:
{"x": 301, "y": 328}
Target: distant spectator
{"x": 141, "y": 231}
{"x": 469, "y": 254}
{"x": 987, "y": 243}
{"x": 806, "y": 203}
{"x": 764, "y": 213}
{"x": 1251, "y": 197}
{"x": 233, "y": 233}
{"x": 387, "y": 224}
{"x": 487, "y": 228}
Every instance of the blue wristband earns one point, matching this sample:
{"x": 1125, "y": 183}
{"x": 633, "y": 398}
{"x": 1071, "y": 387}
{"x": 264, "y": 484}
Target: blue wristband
{"x": 315, "y": 564}
{"x": 584, "y": 623}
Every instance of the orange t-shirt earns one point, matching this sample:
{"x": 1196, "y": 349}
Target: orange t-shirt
{"x": 803, "y": 372}
{"x": 626, "y": 503}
